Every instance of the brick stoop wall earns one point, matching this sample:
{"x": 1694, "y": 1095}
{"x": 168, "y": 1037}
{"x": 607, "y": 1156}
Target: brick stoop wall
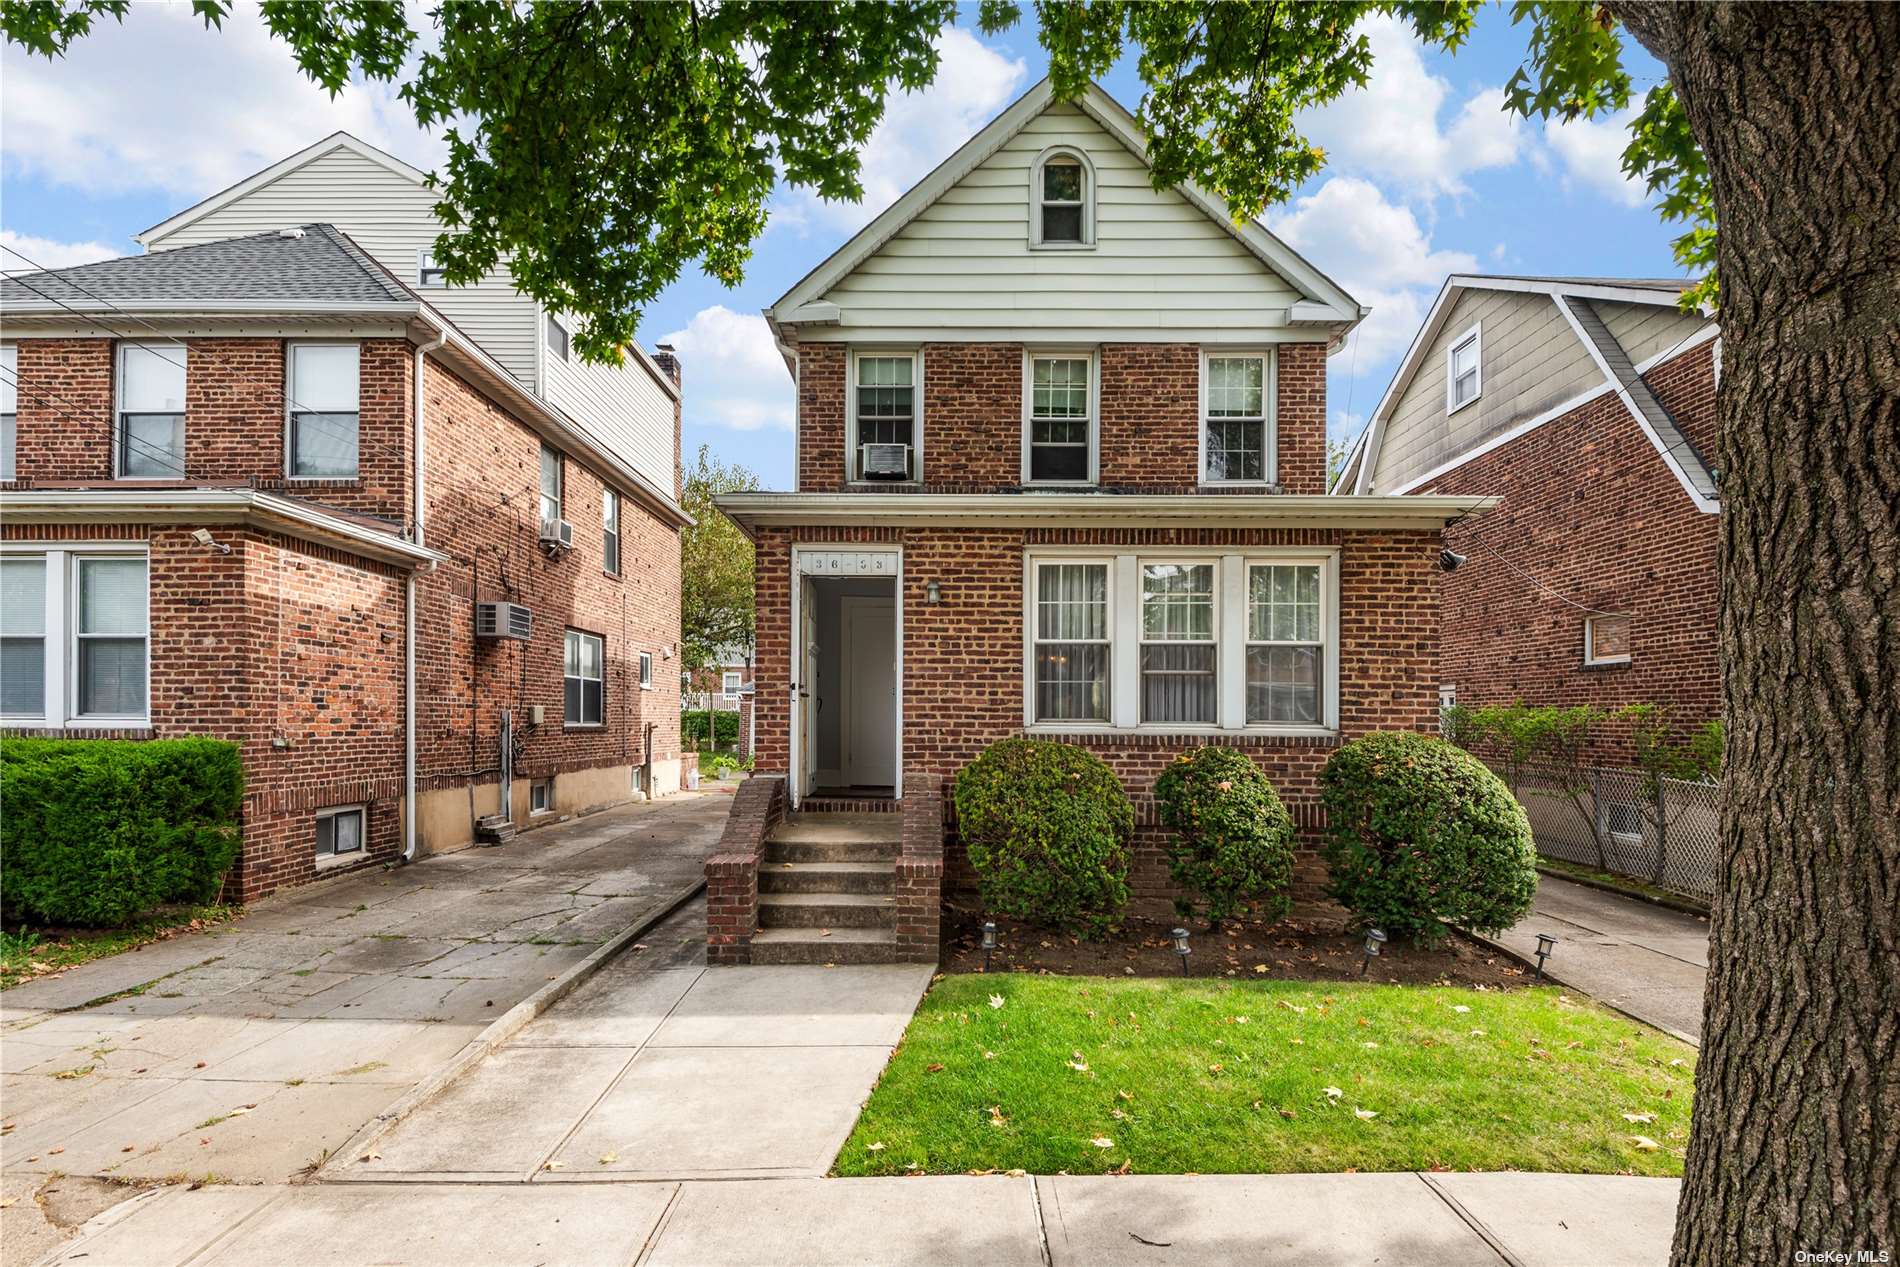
{"x": 920, "y": 878}
{"x": 732, "y": 874}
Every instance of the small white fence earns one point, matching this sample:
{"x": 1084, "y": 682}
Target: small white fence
{"x": 1670, "y": 837}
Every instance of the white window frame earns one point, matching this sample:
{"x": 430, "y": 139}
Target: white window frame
{"x": 60, "y": 635}
{"x": 1230, "y": 613}
{"x": 291, "y": 409}
{"x": 1327, "y": 649}
{"x": 1610, "y": 807}
{"x": 852, "y": 474}
{"x": 646, "y": 670}
{"x": 1590, "y": 656}
{"x": 610, "y": 499}
{"x": 425, "y": 264}
{"x": 560, "y": 486}
{"x": 542, "y": 790}
{"x": 1142, "y": 640}
{"x": 1030, "y": 356}
{"x": 568, "y": 723}
{"x": 729, "y": 681}
{"x": 1475, "y": 337}
{"x": 1270, "y": 418}
{"x": 1065, "y": 153}
{"x": 1031, "y": 640}
{"x": 550, "y": 324}
{"x": 10, "y": 442}
{"x": 167, "y": 352}
{"x": 334, "y": 859}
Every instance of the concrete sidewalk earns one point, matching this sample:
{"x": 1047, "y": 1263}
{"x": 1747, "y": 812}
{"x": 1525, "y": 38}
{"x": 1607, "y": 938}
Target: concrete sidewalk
{"x": 1413, "y": 1220}
{"x": 1632, "y": 955}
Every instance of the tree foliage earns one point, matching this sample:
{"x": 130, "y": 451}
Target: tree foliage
{"x": 716, "y": 584}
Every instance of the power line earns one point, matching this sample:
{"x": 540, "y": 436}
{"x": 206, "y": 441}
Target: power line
{"x": 149, "y": 449}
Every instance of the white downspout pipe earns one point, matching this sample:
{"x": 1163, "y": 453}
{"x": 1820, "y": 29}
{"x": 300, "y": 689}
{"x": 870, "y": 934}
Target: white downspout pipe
{"x": 409, "y": 618}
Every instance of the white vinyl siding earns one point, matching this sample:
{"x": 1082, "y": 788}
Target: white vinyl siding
{"x": 1158, "y": 264}
{"x": 622, "y": 404}
{"x": 1648, "y": 330}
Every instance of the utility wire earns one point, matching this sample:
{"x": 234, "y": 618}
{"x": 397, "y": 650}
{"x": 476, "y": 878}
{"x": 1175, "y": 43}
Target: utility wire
{"x": 150, "y": 450}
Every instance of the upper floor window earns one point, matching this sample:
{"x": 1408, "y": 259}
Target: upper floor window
{"x": 322, "y": 388}
{"x": 9, "y": 406}
{"x": 883, "y": 444}
{"x": 729, "y": 683}
{"x": 610, "y": 531}
{"x": 646, "y": 670}
{"x": 557, "y": 337}
{"x": 150, "y": 437}
{"x": 550, "y": 486}
{"x": 1464, "y": 370}
{"x": 1062, "y": 197}
{"x": 1237, "y": 439}
{"x": 429, "y": 274}
{"x": 582, "y": 680}
{"x": 1061, "y": 422}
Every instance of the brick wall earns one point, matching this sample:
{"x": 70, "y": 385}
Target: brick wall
{"x": 973, "y": 417}
{"x": 1686, "y": 387}
{"x": 732, "y": 874}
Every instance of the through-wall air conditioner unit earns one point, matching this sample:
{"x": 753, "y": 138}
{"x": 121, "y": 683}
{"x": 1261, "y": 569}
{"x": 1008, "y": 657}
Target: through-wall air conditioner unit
{"x": 558, "y": 535}
{"x": 503, "y": 620}
{"x": 884, "y": 461}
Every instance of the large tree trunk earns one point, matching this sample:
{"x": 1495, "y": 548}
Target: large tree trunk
{"x": 1796, "y": 1135}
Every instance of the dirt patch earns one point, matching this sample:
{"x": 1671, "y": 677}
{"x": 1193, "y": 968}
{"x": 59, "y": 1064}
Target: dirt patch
{"x": 1309, "y": 945}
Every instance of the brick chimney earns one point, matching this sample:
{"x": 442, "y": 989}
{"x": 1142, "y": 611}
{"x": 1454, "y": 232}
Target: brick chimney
{"x": 667, "y": 359}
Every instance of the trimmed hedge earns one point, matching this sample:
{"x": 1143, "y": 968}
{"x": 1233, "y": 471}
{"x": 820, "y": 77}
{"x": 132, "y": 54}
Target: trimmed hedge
{"x": 96, "y": 831}
{"x": 1047, "y": 827}
{"x": 1420, "y": 831}
{"x": 1233, "y": 839}
{"x": 725, "y": 727}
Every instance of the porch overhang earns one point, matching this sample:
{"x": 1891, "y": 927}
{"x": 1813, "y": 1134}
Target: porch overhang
{"x": 753, "y": 511}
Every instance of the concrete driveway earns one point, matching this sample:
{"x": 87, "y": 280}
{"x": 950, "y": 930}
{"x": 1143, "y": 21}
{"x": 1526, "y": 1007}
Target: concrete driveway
{"x": 251, "y": 1051}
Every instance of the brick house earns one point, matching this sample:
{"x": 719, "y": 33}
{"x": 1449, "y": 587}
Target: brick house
{"x": 1588, "y": 406}
{"x": 258, "y": 488}
{"x": 1060, "y": 472}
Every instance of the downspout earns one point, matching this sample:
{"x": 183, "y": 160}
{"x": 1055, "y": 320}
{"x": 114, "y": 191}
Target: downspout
{"x": 409, "y": 620}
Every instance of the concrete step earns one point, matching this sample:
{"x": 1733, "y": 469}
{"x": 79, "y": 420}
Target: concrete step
{"x": 803, "y": 828}
{"x": 804, "y": 945}
{"x": 827, "y": 877}
{"x": 832, "y": 851}
{"x": 826, "y": 910}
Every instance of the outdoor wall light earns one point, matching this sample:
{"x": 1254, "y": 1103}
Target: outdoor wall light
{"x": 989, "y": 942}
{"x": 1545, "y": 944}
{"x": 1449, "y": 559}
{"x": 933, "y": 593}
{"x": 1375, "y": 938}
{"x": 1182, "y": 948}
{"x": 203, "y": 537}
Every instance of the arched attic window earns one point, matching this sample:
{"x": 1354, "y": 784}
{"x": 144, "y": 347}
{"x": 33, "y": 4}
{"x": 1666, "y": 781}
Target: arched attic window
{"x": 1062, "y": 199}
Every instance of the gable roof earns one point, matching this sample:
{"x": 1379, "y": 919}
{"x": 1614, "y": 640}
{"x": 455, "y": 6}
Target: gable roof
{"x": 1573, "y": 297}
{"x": 1328, "y": 301}
{"x": 310, "y": 267}
{"x": 231, "y": 193}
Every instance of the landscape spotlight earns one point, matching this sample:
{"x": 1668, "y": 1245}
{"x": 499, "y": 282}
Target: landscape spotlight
{"x": 1375, "y": 938}
{"x": 1545, "y": 943}
{"x": 203, "y": 537}
{"x": 989, "y": 942}
{"x": 1181, "y": 947}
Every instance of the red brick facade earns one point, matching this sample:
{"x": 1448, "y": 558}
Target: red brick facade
{"x": 295, "y": 650}
{"x": 1590, "y": 510}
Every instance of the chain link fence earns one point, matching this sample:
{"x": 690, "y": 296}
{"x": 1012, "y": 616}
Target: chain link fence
{"x": 1670, "y": 837}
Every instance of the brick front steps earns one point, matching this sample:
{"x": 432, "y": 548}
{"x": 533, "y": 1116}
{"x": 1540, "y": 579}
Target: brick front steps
{"x": 826, "y": 885}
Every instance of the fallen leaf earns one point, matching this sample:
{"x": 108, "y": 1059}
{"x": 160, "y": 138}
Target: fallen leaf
{"x": 1333, "y": 1093}
{"x": 996, "y": 1115}
{"x": 608, "y": 1159}
{"x": 371, "y": 1156}
{"x": 554, "y": 1165}
{"x": 1365, "y": 1115}
{"x": 1102, "y": 1141}
{"x": 933, "y": 1069}
{"x": 1125, "y": 1095}
{"x": 1459, "y": 1007}
{"x": 1641, "y": 1118}
{"x": 824, "y": 932}
{"x": 1080, "y": 1066}
{"x": 1644, "y": 1144}
{"x": 874, "y": 1148}
{"x": 1368, "y": 1045}
{"x": 996, "y": 1000}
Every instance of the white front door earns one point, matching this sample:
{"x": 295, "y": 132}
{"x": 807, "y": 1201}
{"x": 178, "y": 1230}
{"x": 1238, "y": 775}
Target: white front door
{"x": 868, "y": 664}
{"x": 807, "y": 689}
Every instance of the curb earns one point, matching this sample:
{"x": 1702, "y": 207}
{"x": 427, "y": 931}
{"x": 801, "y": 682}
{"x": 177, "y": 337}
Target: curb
{"x": 1530, "y": 961}
{"x": 504, "y": 1027}
{"x": 1687, "y": 905}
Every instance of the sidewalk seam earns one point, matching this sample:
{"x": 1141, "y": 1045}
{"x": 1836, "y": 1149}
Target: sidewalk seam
{"x": 1042, "y": 1220}
{"x": 1472, "y": 1221}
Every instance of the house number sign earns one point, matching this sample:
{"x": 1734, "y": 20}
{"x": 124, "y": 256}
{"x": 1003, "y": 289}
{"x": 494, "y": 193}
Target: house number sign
{"x": 848, "y": 562}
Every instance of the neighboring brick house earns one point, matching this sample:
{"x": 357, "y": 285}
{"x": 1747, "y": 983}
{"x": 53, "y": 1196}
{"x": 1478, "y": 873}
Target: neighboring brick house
{"x": 258, "y": 489}
{"x": 1588, "y": 406}
{"x": 1061, "y": 472}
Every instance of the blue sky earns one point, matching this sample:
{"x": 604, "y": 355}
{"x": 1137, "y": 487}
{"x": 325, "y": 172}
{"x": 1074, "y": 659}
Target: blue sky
{"x": 1426, "y": 176}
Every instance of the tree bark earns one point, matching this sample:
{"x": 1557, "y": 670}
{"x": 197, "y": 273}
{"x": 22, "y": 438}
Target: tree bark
{"x": 1796, "y": 1135}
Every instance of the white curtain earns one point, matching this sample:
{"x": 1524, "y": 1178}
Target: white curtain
{"x": 1072, "y": 642}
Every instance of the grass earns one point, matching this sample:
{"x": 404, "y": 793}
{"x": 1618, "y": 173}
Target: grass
{"x": 26, "y": 953}
{"x": 1240, "y": 1077}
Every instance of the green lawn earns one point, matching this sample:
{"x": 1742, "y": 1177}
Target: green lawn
{"x": 27, "y": 953}
{"x": 1261, "y": 1076}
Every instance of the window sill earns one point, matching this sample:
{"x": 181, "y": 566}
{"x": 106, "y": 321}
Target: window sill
{"x": 1262, "y": 485}
{"x": 1062, "y": 246}
{"x": 336, "y": 860}
{"x": 898, "y": 485}
{"x": 583, "y": 725}
{"x": 1250, "y": 734}
{"x": 1059, "y": 486}
{"x": 1597, "y": 666}
{"x": 1465, "y": 405}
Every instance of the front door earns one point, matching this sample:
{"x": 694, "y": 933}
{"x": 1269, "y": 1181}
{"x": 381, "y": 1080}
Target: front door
{"x": 869, "y": 668}
{"x": 807, "y": 689}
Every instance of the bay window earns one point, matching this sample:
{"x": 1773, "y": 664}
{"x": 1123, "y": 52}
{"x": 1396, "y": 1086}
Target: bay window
{"x": 149, "y": 440}
{"x": 1061, "y": 420}
{"x": 1285, "y": 645}
{"x": 1237, "y": 438}
{"x": 1177, "y": 643}
{"x": 1071, "y": 644}
{"x": 74, "y": 636}
{"x": 322, "y": 386}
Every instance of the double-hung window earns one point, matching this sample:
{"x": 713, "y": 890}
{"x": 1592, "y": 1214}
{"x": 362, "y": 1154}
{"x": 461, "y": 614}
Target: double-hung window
{"x": 74, "y": 636}
{"x": 1071, "y": 642}
{"x": 1178, "y": 649}
{"x": 729, "y": 684}
{"x": 557, "y": 337}
{"x": 9, "y": 407}
{"x": 582, "y": 681}
{"x": 1061, "y": 424}
{"x": 1237, "y": 437}
{"x": 610, "y": 531}
{"x": 1464, "y": 370}
{"x": 323, "y": 396}
{"x": 1286, "y": 643}
{"x": 646, "y": 670}
{"x": 23, "y": 636}
{"x": 1062, "y": 194}
{"x": 150, "y": 437}
{"x": 884, "y": 417}
{"x": 429, "y": 274}
{"x": 550, "y": 487}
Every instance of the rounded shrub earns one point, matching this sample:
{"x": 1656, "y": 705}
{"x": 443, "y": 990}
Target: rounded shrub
{"x": 1233, "y": 839}
{"x": 1047, "y": 828}
{"x": 1420, "y": 831}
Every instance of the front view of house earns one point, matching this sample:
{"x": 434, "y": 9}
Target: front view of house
{"x": 1061, "y": 471}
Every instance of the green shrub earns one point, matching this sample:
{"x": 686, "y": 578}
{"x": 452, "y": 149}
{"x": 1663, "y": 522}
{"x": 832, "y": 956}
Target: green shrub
{"x": 1420, "y": 831}
{"x": 1047, "y": 826}
{"x": 725, "y": 728}
{"x": 95, "y": 831}
{"x": 1233, "y": 839}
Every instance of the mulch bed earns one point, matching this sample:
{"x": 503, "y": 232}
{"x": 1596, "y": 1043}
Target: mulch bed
{"x": 1311, "y": 944}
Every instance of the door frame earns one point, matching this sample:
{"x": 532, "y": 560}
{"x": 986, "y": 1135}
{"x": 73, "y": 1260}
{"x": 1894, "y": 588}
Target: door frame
{"x": 850, "y": 605}
{"x": 820, "y": 560}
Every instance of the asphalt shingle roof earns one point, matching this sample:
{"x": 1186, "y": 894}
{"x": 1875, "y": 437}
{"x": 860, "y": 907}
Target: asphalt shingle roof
{"x": 317, "y": 265}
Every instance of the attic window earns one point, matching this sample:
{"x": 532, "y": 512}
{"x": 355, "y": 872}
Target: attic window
{"x": 429, "y": 274}
{"x": 1464, "y": 371}
{"x": 557, "y": 337}
{"x": 1061, "y": 190}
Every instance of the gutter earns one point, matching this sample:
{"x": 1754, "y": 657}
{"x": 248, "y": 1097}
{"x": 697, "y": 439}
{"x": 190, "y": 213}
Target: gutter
{"x": 409, "y": 612}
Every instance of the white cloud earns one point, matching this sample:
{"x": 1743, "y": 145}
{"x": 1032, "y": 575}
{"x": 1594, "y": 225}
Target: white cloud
{"x": 1390, "y": 129}
{"x": 919, "y": 130}
{"x": 22, "y": 251}
{"x": 1377, "y": 251}
{"x": 158, "y": 102}
{"x": 1591, "y": 151}
{"x": 733, "y": 373}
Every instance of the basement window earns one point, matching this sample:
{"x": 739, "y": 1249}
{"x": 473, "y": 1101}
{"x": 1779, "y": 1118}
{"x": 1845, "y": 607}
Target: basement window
{"x": 339, "y": 833}
{"x": 541, "y": 796}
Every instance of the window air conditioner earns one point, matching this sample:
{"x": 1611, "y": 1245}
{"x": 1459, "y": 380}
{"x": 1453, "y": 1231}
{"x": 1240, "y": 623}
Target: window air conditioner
{"x": 503, "y": 620}
{"x": 884, "y": 461}
{"x": 558, "y": 535}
